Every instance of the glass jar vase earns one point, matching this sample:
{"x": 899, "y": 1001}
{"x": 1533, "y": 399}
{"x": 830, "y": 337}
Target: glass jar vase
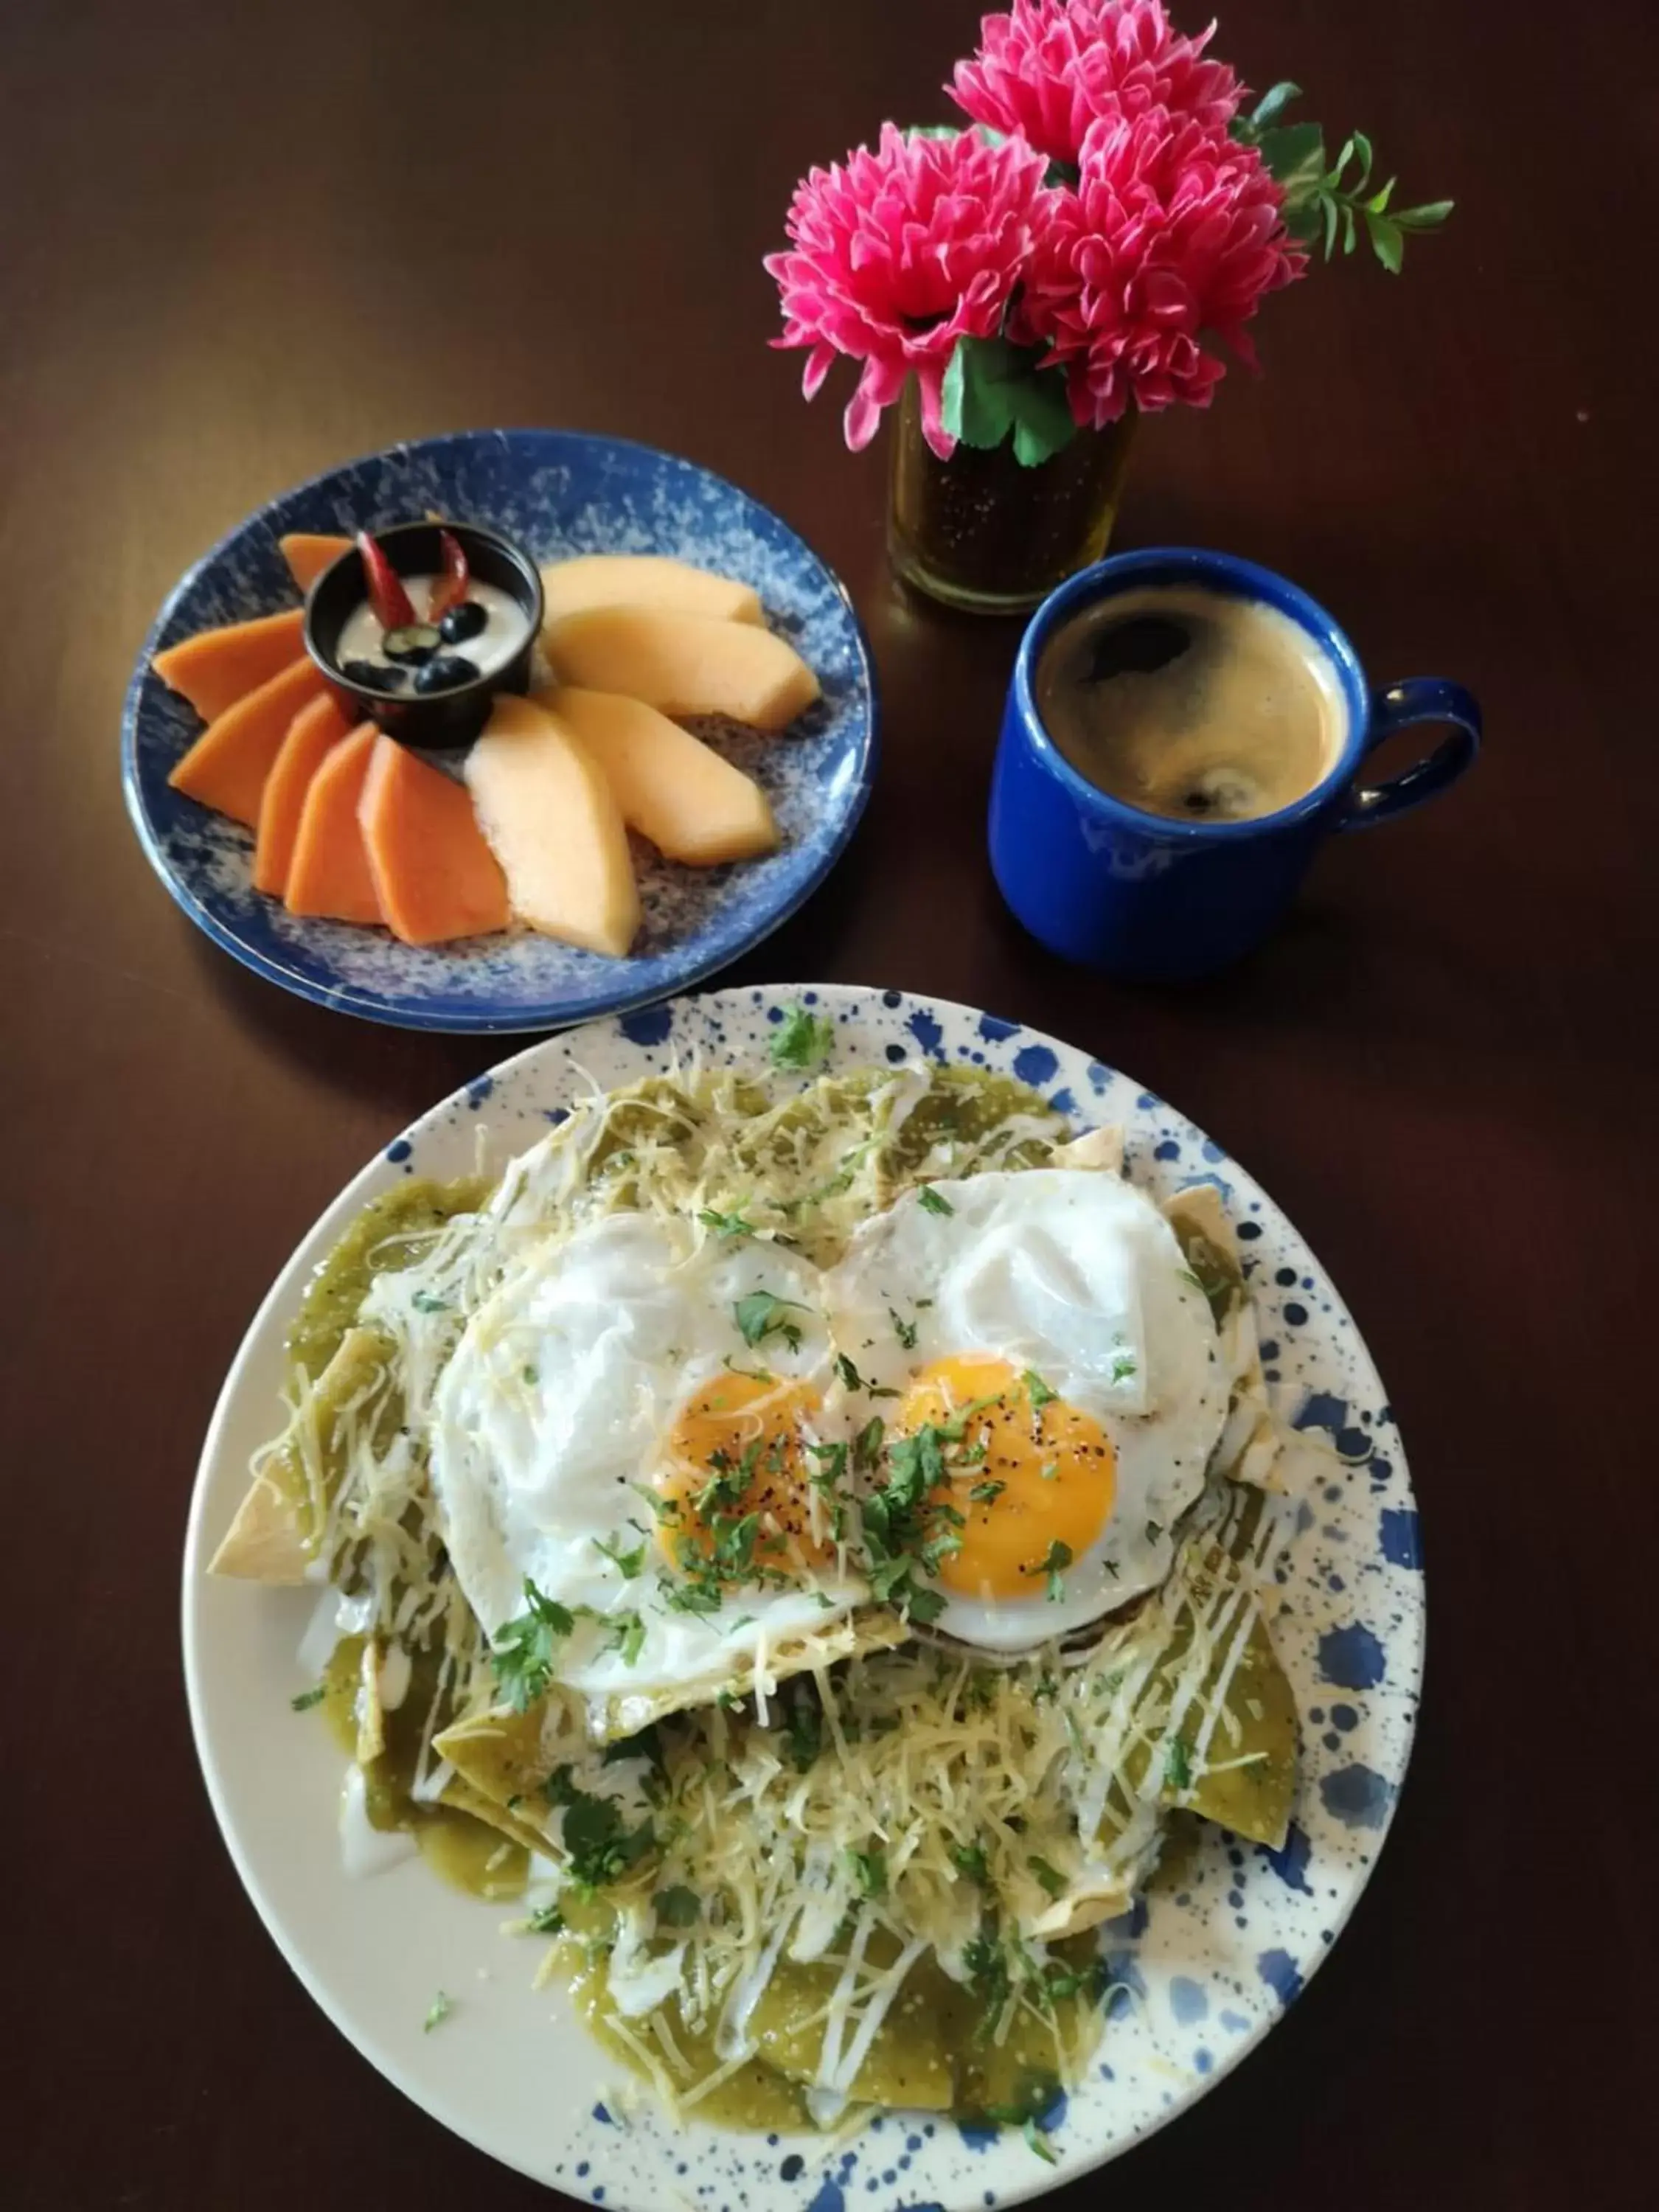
{"x": 982, "y": 533}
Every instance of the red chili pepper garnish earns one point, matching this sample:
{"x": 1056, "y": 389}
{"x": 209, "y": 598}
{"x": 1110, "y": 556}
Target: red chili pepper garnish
{"x": 451, "y": 588}
{"x": 386, "y": 595}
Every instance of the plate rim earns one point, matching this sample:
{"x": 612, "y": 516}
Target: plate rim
{"x": 519, "y": 1021}
{"x": 369, "y": 2043}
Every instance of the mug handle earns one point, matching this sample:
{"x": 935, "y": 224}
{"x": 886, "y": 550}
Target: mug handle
{"x": 1416, "y": 699}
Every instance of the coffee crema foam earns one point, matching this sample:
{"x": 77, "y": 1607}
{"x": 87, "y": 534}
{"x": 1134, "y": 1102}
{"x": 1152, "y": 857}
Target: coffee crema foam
{"x": 1192, "y": 704}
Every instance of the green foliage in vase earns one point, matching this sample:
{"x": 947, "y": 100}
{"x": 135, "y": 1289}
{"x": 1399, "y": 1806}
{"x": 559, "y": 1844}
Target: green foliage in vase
{"x": 992, "y": 388}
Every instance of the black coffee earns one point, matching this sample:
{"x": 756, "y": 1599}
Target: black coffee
{"x": 1190, "y": 704}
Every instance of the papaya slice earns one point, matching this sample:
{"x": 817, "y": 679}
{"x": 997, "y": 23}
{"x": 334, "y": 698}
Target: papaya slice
{"x": 434, "y": 876}
{"x": 312, "y": 735}
{"x": 308, "y": 553}
{"x": 216, "y": 667}
{"x": 329, "y": 873}
{"x": 227, "y": 767}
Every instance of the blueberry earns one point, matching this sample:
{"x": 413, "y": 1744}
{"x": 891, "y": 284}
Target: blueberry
{"x": 444, "y": 673}
{"x": 462, "y": 621}
{"x": 370, "y": 676}
{"x": 414, "y": 643}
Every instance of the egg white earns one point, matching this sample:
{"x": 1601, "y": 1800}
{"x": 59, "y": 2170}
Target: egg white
{"x": 550, "y": 1418}
{"x": 1076, "y": 1276}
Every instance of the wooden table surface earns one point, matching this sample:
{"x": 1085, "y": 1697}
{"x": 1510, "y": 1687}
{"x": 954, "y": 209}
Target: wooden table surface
{"x": 243, "y": 242}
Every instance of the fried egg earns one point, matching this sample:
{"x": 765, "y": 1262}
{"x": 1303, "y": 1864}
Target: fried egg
{"x": 630, "y": 1414}
{"x": 1045, "y": 1326}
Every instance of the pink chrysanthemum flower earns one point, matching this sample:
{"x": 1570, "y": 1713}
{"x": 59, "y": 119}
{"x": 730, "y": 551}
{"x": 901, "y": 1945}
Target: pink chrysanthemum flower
{"x": 1050, "y": 69}
{"x": 1173, "y": 235}
{"x": 897, "y": 255}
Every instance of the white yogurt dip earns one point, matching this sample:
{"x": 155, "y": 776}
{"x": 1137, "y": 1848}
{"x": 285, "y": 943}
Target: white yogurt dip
{"x": 506, "y": 627}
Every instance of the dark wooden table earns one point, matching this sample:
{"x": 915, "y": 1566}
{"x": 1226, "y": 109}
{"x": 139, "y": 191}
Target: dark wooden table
{"x": 242, "y": 242}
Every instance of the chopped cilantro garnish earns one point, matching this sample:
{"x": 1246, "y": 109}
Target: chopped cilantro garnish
{"x": 1124, "y": 1365}
{"x": 522, "y": 1655}
{"x": 986, "y": 1493}
{"x": 831, "y": 1474}
{"x": 933, "y": 1202}
{"x": 1054, "y": 1564}
{"x": 1154, "y": 1530}
{"x": 869, "y": 1870}
{"x": 424, "y": 1301}
{"x": 677, "y": 1907}
{"x": 627, "y": 1564}
{"x": 832, "y": 1465}
{"x": 691, "y": 1597}
{"x": 728, "y": 1481}
{"x": 1036, "y": 2141}
{"x": 760, "y": 1315}
{"x": 546, "y": 1920}
{"x": 904, "y": 1330}
{"x": 970, "y": 1859}
{"x": 528, "y": 1376}
{"x": 627, "y": 1636}
{"x": 308, "y": 1699}
{"x": 802, "y": 1040}
{"x": 598, "y": 1842}
{"x": 866, "y": 1445}
{"x": 987, "y": 1976}
{"x": 1177, "y": 1764}
{"x": 436, "y": 2013}
{"x": 1037, "y": 1390}
{"x": 1051, "y": 1878}
{"x": 725, "y": 1224}
{"x": 734, "y": 1544}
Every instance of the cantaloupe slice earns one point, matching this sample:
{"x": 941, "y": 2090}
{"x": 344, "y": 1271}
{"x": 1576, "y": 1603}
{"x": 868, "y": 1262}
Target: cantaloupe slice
{"x": 312, "y": 735}
{"x": 227, "y": 767}
{"x": 434, "y": 875}
{"x": 672, "y": 788}
{"x": 308, "y": 554}
{"x": 545, "y": 807}
{"x": 216, "y": 667}
{"x": 329, "y": 873}
{"x": 683, "y": 663}
{"x": 646, "y": 580}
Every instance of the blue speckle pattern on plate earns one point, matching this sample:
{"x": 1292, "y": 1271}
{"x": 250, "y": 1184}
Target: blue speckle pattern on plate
{"x": 557, "y": 492}
{"x": 1203, "y": 1966}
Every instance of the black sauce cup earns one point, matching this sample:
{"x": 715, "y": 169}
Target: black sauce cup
{"x": 436, "y": 721}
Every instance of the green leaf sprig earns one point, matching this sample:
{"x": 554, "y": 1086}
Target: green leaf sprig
{"x": 1322, "y": 199}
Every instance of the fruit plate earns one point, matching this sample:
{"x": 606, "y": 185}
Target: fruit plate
{"x": 557, "y": 492}
{"x": 1203, "y": 1968}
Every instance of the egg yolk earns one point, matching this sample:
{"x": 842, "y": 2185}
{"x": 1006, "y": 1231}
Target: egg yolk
{"x": 1047, "y": 1476}
{"x": 736, "y": 1448}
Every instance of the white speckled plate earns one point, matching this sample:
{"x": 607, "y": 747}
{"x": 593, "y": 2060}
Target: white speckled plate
{"x": 1207, "y": 1968}
{"x": 556, "y": 492}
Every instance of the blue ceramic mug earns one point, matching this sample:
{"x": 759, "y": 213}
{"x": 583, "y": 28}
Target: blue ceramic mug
{"x": 1144, "y": 897}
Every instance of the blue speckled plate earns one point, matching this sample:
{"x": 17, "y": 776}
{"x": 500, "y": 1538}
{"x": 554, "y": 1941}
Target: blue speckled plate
{"x": 557, "y": 492}
{"x": 1206, "y": 1967}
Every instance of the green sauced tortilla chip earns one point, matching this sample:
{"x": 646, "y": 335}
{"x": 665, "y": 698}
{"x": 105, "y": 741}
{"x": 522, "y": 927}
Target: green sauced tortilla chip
{"x": 275, "y": 1531}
